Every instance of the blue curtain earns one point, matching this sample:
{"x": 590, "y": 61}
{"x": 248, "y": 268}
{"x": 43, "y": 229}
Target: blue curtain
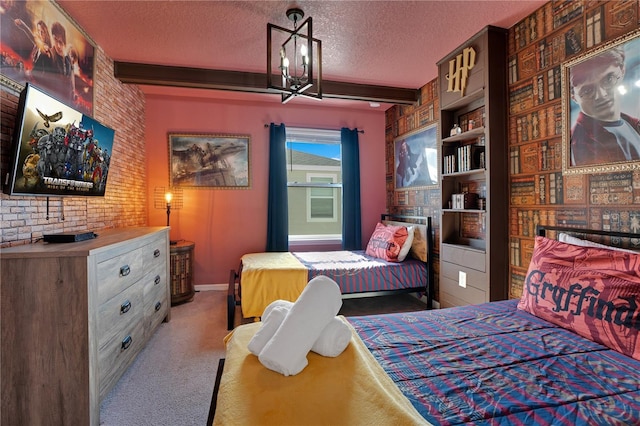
{"x": 277, "y": 208}
{"x": 351, "y": 218}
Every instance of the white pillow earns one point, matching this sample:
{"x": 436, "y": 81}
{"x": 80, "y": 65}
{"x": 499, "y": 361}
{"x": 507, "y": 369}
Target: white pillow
{"x": 407, "y": 244}
{"x": 566, "y": 238}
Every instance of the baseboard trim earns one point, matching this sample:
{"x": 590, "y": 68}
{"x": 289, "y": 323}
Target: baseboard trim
{"x": 211, "y": 287}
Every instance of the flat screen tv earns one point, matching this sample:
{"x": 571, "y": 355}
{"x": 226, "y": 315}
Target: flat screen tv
{"x": 57, "y": 151}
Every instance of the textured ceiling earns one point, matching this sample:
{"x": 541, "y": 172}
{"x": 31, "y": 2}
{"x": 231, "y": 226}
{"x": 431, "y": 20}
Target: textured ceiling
{"x": 389, "y": 43}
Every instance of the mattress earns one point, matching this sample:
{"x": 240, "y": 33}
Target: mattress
{"x": 283, "y": 275}
{"x": 350, "y": 389}
{"x": 493, "y": 364}
{"x": 357, "y": 272}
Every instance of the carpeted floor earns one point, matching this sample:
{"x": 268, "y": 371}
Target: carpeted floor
{"x": 171, "y": 381}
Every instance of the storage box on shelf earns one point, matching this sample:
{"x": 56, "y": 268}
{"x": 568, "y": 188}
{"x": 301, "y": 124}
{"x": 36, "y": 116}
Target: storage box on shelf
{"x": 474, "y": 189}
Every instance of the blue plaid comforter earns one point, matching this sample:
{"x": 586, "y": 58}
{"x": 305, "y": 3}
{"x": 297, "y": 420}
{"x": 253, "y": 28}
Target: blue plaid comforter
{"x": 357, "y": 272}
{"x": 492, "y": 364}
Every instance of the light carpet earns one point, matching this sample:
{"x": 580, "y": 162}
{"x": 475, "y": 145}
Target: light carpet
{"x": 171, "y": 380}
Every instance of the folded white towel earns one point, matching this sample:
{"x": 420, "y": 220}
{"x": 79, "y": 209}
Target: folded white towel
{"x": 287, "y": 351}
{"x": 270, "y": 324}
{"x": 276, "y": 303}
{"x": 333, "y": 340}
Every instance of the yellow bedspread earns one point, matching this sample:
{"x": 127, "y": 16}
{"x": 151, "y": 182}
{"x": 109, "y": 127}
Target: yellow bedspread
{"x": 351, "y": 389}
{"x": 267, "y": 277}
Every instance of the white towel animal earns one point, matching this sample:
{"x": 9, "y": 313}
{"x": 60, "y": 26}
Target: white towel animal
{"x": 287, "y": 350}
{"x": 333, "y": 340}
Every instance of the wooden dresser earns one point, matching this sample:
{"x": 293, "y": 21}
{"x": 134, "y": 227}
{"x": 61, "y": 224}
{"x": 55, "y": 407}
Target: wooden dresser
{"x": 74, "y": 316}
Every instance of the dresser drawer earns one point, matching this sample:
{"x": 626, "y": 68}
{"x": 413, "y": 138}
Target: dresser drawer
{"x": 157, "y": 253}
{"x": 116, "y": 355}
{"x": 119, "y": 313}
{"x": 118, "y": 273}
{"x": 471, "y": 258}
{"x": 155, "y": 299}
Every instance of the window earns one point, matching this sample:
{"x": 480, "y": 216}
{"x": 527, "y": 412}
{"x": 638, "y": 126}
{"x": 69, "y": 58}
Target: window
{"x": 321, "y": 200}
{"x": 314, "y": 181}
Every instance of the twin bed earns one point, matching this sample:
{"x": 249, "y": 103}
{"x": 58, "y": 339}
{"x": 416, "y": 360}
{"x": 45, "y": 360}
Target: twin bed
{"x": 265, "y": 277}
{"x": 567, "y": 353}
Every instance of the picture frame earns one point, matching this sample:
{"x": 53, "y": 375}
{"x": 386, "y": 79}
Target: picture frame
{"x": 592, "y": 114}
{"x": 416, "y": 158}
{"x": 213, "y": 161}
{"x": 30, "y": 55}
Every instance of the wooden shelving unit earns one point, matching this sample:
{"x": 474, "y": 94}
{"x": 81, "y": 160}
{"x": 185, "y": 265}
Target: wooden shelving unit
{"x": 474, "y": 237}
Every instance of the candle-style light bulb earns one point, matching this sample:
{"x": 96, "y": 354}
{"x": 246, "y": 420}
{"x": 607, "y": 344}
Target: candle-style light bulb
{"x": 168, "y": 197}
{"x": 303, "y": 52}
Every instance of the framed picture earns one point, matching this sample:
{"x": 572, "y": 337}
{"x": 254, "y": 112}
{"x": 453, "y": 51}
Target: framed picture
{"x": 42, "y": 45}
{"x": 416, "y": 159}
{"x": 601, "y": 108}
{"x": 209, "y": 161}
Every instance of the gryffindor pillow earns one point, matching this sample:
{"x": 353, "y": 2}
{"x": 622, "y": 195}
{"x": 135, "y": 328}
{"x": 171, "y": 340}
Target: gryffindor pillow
{"x": 592, "y": 291}
{"x": 386, "y": 242}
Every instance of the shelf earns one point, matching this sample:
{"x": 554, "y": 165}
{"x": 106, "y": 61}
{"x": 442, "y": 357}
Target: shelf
{"x": 464, "y": 100}
{"x": 470, "y": 134}
{"x": 478, "y": 246}
{"x": 463, "y": 211}
{"x": 465, "y": 173}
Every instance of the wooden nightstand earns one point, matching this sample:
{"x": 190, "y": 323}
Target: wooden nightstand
{"x": 181, "y": 263}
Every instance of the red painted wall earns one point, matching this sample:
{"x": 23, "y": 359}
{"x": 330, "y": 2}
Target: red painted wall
{"x": 225, "y": 224}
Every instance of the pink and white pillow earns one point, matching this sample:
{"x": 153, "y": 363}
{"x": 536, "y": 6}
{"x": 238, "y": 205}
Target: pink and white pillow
{"x": 592, "y": 291}
{"x": 387, "y": 242}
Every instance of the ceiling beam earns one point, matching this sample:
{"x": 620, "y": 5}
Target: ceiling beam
{"x": 239, "y": 81}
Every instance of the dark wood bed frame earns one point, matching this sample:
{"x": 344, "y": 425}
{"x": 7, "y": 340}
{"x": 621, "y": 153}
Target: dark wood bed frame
{"x": 541, "y": 230}
{"x": 234, "y": 290}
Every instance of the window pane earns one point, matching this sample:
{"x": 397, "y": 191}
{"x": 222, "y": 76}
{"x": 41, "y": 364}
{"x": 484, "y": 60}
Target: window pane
{"x": 321, "y": 192}
{"x": 321, "y": 208}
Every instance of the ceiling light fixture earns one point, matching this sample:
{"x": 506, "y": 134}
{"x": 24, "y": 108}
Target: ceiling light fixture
{"x": 295, "y": 73}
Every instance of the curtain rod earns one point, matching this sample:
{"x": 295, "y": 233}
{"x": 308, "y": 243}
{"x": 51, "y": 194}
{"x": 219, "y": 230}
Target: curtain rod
{"x": 266, "y": 126}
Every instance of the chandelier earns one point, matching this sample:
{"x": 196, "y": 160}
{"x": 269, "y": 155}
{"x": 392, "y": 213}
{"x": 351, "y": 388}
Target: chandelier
{"x": 299, "y": 56}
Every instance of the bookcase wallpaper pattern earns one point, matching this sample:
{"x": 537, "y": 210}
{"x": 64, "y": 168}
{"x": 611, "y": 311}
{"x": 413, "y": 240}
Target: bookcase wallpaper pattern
{"x": 539, "y": 192}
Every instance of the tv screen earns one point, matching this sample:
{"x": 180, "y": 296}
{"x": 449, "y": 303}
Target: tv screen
{"x": 58, "y": 151}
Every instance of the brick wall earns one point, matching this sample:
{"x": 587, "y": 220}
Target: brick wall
{"x": 119, "y": 106}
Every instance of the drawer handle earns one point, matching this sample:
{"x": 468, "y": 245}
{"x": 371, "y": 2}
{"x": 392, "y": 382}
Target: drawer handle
{"x": 124, "y": 308}
{"x": 157, "y": 280}
{"x": 125, "y": 270}
{"x": 158, "y": 306}
{"x": 156, "y": 253}
{"x": 126, "y": 342}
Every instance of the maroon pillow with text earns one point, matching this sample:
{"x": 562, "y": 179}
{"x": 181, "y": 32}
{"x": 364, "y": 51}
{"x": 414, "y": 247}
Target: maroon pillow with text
{"x": 386, "y": 242}
{"x": 592, "y": 291}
